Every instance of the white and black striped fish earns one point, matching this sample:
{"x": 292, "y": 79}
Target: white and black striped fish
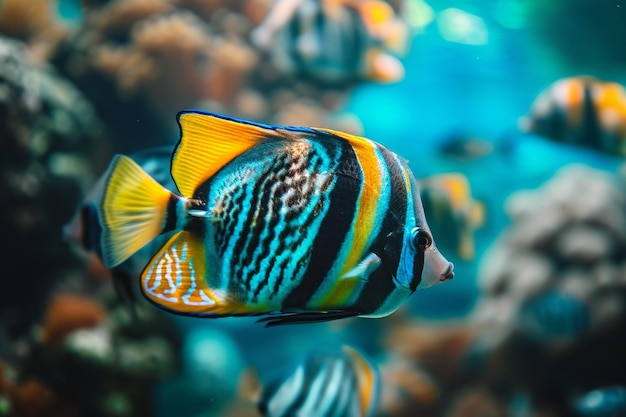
{"x": 302, "y": 224}
{"x": 334, "y": 41}
{"x": 326, "y": 384}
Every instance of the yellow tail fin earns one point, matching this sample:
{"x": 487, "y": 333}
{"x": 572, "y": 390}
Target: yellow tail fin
{"x": 132, "y": 210}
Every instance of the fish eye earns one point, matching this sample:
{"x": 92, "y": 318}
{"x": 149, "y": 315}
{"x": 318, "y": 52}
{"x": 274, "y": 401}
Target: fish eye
{"x": 420, "y": 239}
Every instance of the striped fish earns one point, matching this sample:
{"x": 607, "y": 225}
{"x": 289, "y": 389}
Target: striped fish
{"x": 334, "y": 41}
{"x": 582, "y": 111}
{"x": 339, "y": 384}
{"x": 454, "y": 214}
{"x": 299, "y": 223}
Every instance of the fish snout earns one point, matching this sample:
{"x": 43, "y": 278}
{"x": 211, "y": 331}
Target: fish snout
{"x": 448, "y": 273}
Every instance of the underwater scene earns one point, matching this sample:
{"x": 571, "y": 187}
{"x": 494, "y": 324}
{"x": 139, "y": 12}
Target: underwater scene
{"x": 313, "y": 208}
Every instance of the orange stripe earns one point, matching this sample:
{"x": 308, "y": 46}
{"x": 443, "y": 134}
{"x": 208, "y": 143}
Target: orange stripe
{"x": 365, "y": 218}
{"x": 368, "y": 201}
{"x": 574, "y": 96}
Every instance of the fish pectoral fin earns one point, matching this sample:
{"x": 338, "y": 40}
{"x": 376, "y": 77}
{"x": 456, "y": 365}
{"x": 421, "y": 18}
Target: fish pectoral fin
{"x": 280, "y": 319}
{"x": 349, "y": 284}
{"x": 208, "y": 142}
{"x": 176, "y": 280}
{"x": 364, "y": 268}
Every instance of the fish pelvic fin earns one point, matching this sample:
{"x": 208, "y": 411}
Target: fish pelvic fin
{"x": 133, "y": 210}
{"x": 176, "y": 280}
{"x": 208, "y": 142}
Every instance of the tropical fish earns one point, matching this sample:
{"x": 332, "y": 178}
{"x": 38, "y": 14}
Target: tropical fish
{"x": 300, "y": 223}
{"x": 582, "y": 111}
{"x": 325, "y": 384}
{"x": 464, "y": 147}
{"x": 334, "y": 41}
{"x": 453, "y": 213}
{"x": 84, "y": 230}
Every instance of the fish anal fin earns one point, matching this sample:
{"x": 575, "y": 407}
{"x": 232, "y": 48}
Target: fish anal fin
{"x": 175, "y": 280}
{"x": 209, "y": 142}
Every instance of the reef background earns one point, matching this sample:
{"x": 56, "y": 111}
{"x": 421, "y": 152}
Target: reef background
{"x": 530, "y": 325}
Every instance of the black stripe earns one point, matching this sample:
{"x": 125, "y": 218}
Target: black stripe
{"x": 395, "y": 220}
{"x": 356, "y": 34}
{"x": 590, "y": 130}
{"x": 388, "y": 245}
{"x": 170, "y": 216}
{"x": 335, "y": 225}
{"x": 255, "y": 246}
{"x": 378, "y": 287}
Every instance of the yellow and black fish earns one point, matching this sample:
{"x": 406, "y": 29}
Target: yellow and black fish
{"x": 303, "y": 224}
{"x": 454, "y": 214}
{"x": 582, "y": 111}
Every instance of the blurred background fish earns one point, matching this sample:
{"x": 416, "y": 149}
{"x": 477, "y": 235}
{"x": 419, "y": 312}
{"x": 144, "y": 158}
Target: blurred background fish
{"x": 335, "y": 41}
{"x": 465, "y": 147}
{"x": 84, "y": 231}
{"x": 582, "y": 111}
{"x": 340, "y": 383}
{"x": 452, "y": 212}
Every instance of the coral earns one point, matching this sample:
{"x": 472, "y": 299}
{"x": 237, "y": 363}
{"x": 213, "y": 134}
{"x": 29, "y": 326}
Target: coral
{"x": 553, "y": 289}
{"x": 154, "y": 58}
{"x": 67, "y": 313}
{"x": 48, "y": 133}
{"x": 476, "y": 402}
{"x": 407, "y": 390}
{"x": 34, "y": 22}
{"x": 439, "y": 348}
{"x": 34, "y": 399}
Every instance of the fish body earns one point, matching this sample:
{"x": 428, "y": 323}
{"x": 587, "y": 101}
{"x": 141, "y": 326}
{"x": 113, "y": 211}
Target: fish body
{"x": 302, "y": 224}
{"x": 334, "y": 41}
{"x": 328, "y": 384}
{"x": 453, "y": 213}
{"x": 582, "y": 111}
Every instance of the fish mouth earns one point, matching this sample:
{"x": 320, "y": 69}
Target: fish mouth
{"x": 448, "y": 273}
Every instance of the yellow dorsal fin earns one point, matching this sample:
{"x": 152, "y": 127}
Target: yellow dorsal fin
{"x": 208, "y": 142}
{"x": 351, "y": 139}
